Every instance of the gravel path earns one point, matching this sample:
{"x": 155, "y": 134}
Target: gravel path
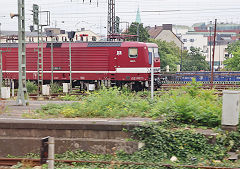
{"x": 12, "y": 110}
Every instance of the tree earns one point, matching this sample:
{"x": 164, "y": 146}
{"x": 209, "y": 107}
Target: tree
{"x": 233, "y": 47}
{"x": 233, "y": 63}
{"x": 143, "y": 33}
{"x": 169, "y": 54}
{"x": 194, "y": 61}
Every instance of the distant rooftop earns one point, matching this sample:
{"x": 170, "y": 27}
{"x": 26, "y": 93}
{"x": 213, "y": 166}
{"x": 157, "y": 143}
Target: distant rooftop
{"x": 154, "y": 31}
{"x": 15, "y": 33}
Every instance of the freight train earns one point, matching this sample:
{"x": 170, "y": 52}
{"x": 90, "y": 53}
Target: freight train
{"x": 95, "y": 63}
{"x": 203, "y": 76}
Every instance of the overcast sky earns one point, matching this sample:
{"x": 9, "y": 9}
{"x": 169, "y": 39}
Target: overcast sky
{"x": 73, "y": 14}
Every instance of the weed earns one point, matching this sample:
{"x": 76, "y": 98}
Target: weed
{"x": 31, "y": 87}
{"x": 56, "y": 88}
{"x": 189, "y": 105}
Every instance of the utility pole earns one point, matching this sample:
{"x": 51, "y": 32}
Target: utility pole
{"x": 1, "y": 75}
{"x": 138, "y": 24}
{"x": 111, "y": 20}
{"x": 214, "y": 43}
{"x": 210, "y": 28}
{"x": 22, "y": 96}
{"x": 0, "y": 32}
{"x": 152, "y": 75}
{"x": 70, "y": 64}
{"x": 51, "y": 60}
{"x": 50, "y": 34}
{"x": 70, "y": 37}
{"x": 181, "y": 57}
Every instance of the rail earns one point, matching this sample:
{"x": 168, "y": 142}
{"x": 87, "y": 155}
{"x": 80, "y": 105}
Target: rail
{"x": 36, "y": 162}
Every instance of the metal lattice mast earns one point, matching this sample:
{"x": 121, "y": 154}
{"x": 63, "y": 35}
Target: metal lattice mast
{"x": 39, "y": 49}
{"x": 22, "y": 97}
{"x": 111, "y": 19}
{"x": 36, "y": 13}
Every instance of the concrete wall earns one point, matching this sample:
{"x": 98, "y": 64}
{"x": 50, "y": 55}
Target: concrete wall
{"x": 19, "y": 137}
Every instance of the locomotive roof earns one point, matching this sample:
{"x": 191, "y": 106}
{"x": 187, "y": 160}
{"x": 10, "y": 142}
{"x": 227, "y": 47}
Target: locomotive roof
{"x": 83, "y": 44}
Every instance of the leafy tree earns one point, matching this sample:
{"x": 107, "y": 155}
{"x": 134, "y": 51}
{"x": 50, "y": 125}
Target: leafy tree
{"x": 233, "y": 63}
{"x": 169, "y": 54}
{"x": 233, "y": 47}
{"x": 194, "y": 61}
{"x": 143, "y": 33}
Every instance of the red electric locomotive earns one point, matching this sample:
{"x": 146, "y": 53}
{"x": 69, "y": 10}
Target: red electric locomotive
{"x": 92, "y": 63}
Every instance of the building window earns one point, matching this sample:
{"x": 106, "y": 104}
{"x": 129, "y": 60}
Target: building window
{"x": 133, "y": 52}
{"x": 184, "y": 48}
{"x": 191, "y": 40}
{"x": 184, "y": 40}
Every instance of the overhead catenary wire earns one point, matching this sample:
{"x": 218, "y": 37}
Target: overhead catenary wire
{"x": 151, "y": 13}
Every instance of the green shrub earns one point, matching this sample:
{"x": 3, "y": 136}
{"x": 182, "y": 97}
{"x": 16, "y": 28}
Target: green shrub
{"x": 161, "y": 143}
{"x": 70, "y": 98}
{"x": 56, "y": 88}
{"x": 189, "y": 105}
{"x": 31, "y": 87}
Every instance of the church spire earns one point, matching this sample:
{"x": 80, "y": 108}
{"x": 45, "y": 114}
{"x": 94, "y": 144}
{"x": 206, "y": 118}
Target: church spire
{"x": 138, "y": 17}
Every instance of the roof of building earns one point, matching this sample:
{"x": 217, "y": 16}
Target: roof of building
{"x": 154, "y": 31}
{"x": 15, "y": 33}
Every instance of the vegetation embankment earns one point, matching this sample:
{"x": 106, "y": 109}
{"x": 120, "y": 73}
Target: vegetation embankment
{"x": 163, "y": 143}
{"x": 186, "y": 105}
{"x": 181, "y": 111}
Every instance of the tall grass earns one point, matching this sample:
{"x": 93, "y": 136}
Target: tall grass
{"x": 186, "y": 105}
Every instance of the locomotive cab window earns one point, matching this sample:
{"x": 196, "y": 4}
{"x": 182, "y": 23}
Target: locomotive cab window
{"x": 133, "y": 52}
{"x": 154, "y": 52}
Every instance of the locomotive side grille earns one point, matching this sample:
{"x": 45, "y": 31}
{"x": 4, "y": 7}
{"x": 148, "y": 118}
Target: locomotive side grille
{"x": 90, "y": 60}
{"x": 11, "y": 61}
{"x": 104, "y": 44}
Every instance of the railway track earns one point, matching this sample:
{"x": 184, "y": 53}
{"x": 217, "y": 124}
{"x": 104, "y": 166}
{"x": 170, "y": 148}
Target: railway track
{"x": 219, "y": 87}
{"x": 36, "y": 162}
{"x": 166, "y": 87}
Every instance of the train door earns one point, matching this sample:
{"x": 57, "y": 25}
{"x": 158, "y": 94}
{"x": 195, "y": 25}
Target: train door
{"x": 128, "y": 62}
